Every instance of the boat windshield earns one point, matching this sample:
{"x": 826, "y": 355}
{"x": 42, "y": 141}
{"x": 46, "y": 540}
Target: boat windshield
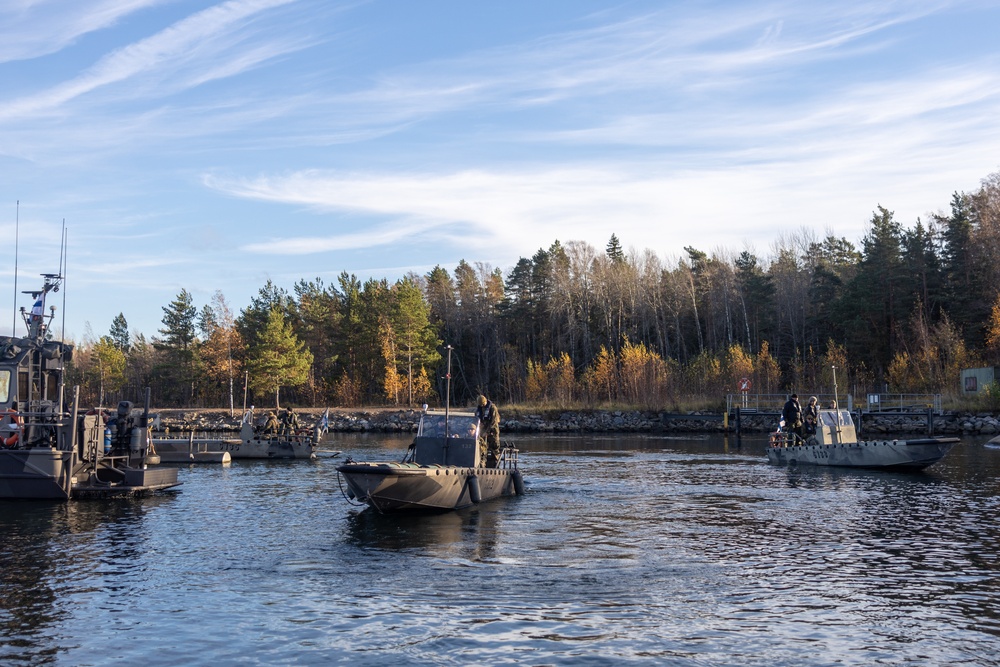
{"x": 459, "y": 426}
{"x": 835, "y": 418}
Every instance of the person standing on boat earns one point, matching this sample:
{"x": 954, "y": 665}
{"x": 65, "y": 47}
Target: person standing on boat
{"x": 810, "y": 417}
{"x": 290, "y": 422}
{"x": 489, "y": 432}
{"x": 792, "y": 415}
{"x": 271, "y": 425}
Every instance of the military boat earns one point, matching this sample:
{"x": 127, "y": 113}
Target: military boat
{"x": 253, "y": 443}
{"x": 440, "y": 471}
{"x": 836, "y": 444}
{"x": 50, "y": 448}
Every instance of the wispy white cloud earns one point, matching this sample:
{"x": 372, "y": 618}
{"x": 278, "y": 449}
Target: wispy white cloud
{"x": 34, "y": 28}
{"x": 205, "y": 46}
{"x": 327, "y": 148}
{"x": 656, "y": 54}
{"x": 726, "y": 169}
{"x": 498, "y": 211}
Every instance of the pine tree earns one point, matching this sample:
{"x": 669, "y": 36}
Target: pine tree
{"x": 179, "y": 322}
{"x": 415, "y": 336}
{"x": 316, "y": 320}
{"x": 177, "y": 373}
{"x": 614, "y": 250}
{"x": 278, "y": 358}
{"x": 873, "y": 306}
{"x": 119, "y": 333}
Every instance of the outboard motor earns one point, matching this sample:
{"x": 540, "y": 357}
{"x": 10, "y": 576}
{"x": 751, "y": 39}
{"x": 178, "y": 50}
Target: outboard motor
{"x": 122, "y": 423}
{"x": 124, "y": 410}
{"x": 133, "y": 437}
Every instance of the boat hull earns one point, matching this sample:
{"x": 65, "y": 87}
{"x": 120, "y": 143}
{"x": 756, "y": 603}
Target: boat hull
{"x": 874, "y": 454}
{"x": 403, "y": 487}
{"x": 36, "y": 474}
{"x": 180, "y": 450}
{"x": 109, "y": 482}
{"x": 48, "y": 474}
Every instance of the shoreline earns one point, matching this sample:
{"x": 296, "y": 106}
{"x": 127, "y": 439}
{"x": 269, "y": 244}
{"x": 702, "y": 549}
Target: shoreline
{"x": 403, "y": 420}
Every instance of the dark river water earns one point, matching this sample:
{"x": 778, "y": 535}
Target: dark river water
{"x": 624, "y": 550}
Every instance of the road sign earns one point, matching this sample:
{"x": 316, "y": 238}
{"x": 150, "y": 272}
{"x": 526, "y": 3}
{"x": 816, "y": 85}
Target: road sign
{"x": 745, "y": 385}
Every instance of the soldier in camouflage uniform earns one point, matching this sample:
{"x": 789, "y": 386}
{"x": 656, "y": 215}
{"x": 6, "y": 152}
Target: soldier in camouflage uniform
{"x": 271, "y": 425}
{"x": 290, "y": 422}
{"x": 489, "y": 432}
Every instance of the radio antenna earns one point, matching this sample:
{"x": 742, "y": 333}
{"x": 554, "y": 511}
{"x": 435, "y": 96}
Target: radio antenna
{"x": 62, "y": 274}
{"x": 17, "y": 229}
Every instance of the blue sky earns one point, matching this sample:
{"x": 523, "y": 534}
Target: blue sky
{"x": 216, "y": 145}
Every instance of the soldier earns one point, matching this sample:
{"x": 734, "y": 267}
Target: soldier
{"x": 271, "y": 425}
{"x": 792, "y": 414}
{"x": 290, "y": 422}
{"x": 489, "y": 433}
{"x": 810, "y": 416}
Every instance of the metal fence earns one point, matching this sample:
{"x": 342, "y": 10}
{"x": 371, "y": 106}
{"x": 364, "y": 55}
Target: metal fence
{"x": 772, "y": 403}
{"x": 908, "y": 403}
{"x": 902, "y": 403}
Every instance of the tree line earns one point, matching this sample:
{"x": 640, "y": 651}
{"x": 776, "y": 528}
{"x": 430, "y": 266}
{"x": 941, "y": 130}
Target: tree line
{"x": 904, "y": 311}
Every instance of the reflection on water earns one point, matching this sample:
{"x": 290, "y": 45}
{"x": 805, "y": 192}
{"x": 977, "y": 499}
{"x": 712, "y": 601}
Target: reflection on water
{"x": 53, "y": 552}
{"x": 468, "y": 532}
{"x": 624, "y": 549}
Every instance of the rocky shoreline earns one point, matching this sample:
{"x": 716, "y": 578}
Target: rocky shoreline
{"x": 386, "y": 420}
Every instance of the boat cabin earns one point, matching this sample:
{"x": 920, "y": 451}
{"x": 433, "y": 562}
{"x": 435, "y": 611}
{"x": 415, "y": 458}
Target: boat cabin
{"x": 835, "y": 427}
{"x": 448, "y": 439}
{"x": 30, "y": 379}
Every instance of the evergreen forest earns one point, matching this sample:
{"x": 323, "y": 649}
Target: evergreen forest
{"x": 577, "y": 326}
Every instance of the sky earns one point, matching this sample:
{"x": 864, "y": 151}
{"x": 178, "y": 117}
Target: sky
{"x": 212, "y": 146}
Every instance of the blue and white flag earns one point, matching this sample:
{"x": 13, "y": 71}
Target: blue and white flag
{"x": 324, "y": 422}
{"x": 38, "y": 308}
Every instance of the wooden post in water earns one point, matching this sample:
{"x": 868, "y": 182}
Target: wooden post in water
{"x": 930, "y": 421}
{"x": 739, "y": 425}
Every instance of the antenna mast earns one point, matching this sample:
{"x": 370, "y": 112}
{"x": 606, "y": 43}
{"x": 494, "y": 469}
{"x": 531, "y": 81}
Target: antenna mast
{"x": 62, "y": 274}
{"x": 17, "y": 233}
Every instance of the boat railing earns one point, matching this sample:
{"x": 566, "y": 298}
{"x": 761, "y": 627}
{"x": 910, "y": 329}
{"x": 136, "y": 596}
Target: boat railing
{"x": 785, "y": 439}
{"x": 508, "y": 457}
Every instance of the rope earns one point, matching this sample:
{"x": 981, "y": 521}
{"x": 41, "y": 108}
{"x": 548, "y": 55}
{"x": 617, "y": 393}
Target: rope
{"x": 344, "y": 493}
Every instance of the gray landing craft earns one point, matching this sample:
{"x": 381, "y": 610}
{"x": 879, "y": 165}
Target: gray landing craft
{"x": 836, "y": 444}
{"x": 440, "y": 471}
{"x": 50, "y": 449}
{"x": 252, "y": 444}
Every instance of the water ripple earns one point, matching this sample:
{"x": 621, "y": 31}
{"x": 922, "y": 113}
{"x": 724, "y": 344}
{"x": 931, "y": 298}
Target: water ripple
{"x": 624, "y": 550}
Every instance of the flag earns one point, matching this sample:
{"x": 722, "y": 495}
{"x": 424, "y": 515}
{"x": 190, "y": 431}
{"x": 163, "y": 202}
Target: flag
{"x": 38, "y": 308}
{"x": 324, "y": 422}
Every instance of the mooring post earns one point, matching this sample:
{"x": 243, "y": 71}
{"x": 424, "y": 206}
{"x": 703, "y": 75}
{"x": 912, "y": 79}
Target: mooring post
{"x": 930, "y": 421}
{"x": 739, "y": 424}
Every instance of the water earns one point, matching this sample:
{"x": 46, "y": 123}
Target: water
{"x": 625, "y": 550}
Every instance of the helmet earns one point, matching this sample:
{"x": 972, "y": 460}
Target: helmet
{"x": 482, "y": 400}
